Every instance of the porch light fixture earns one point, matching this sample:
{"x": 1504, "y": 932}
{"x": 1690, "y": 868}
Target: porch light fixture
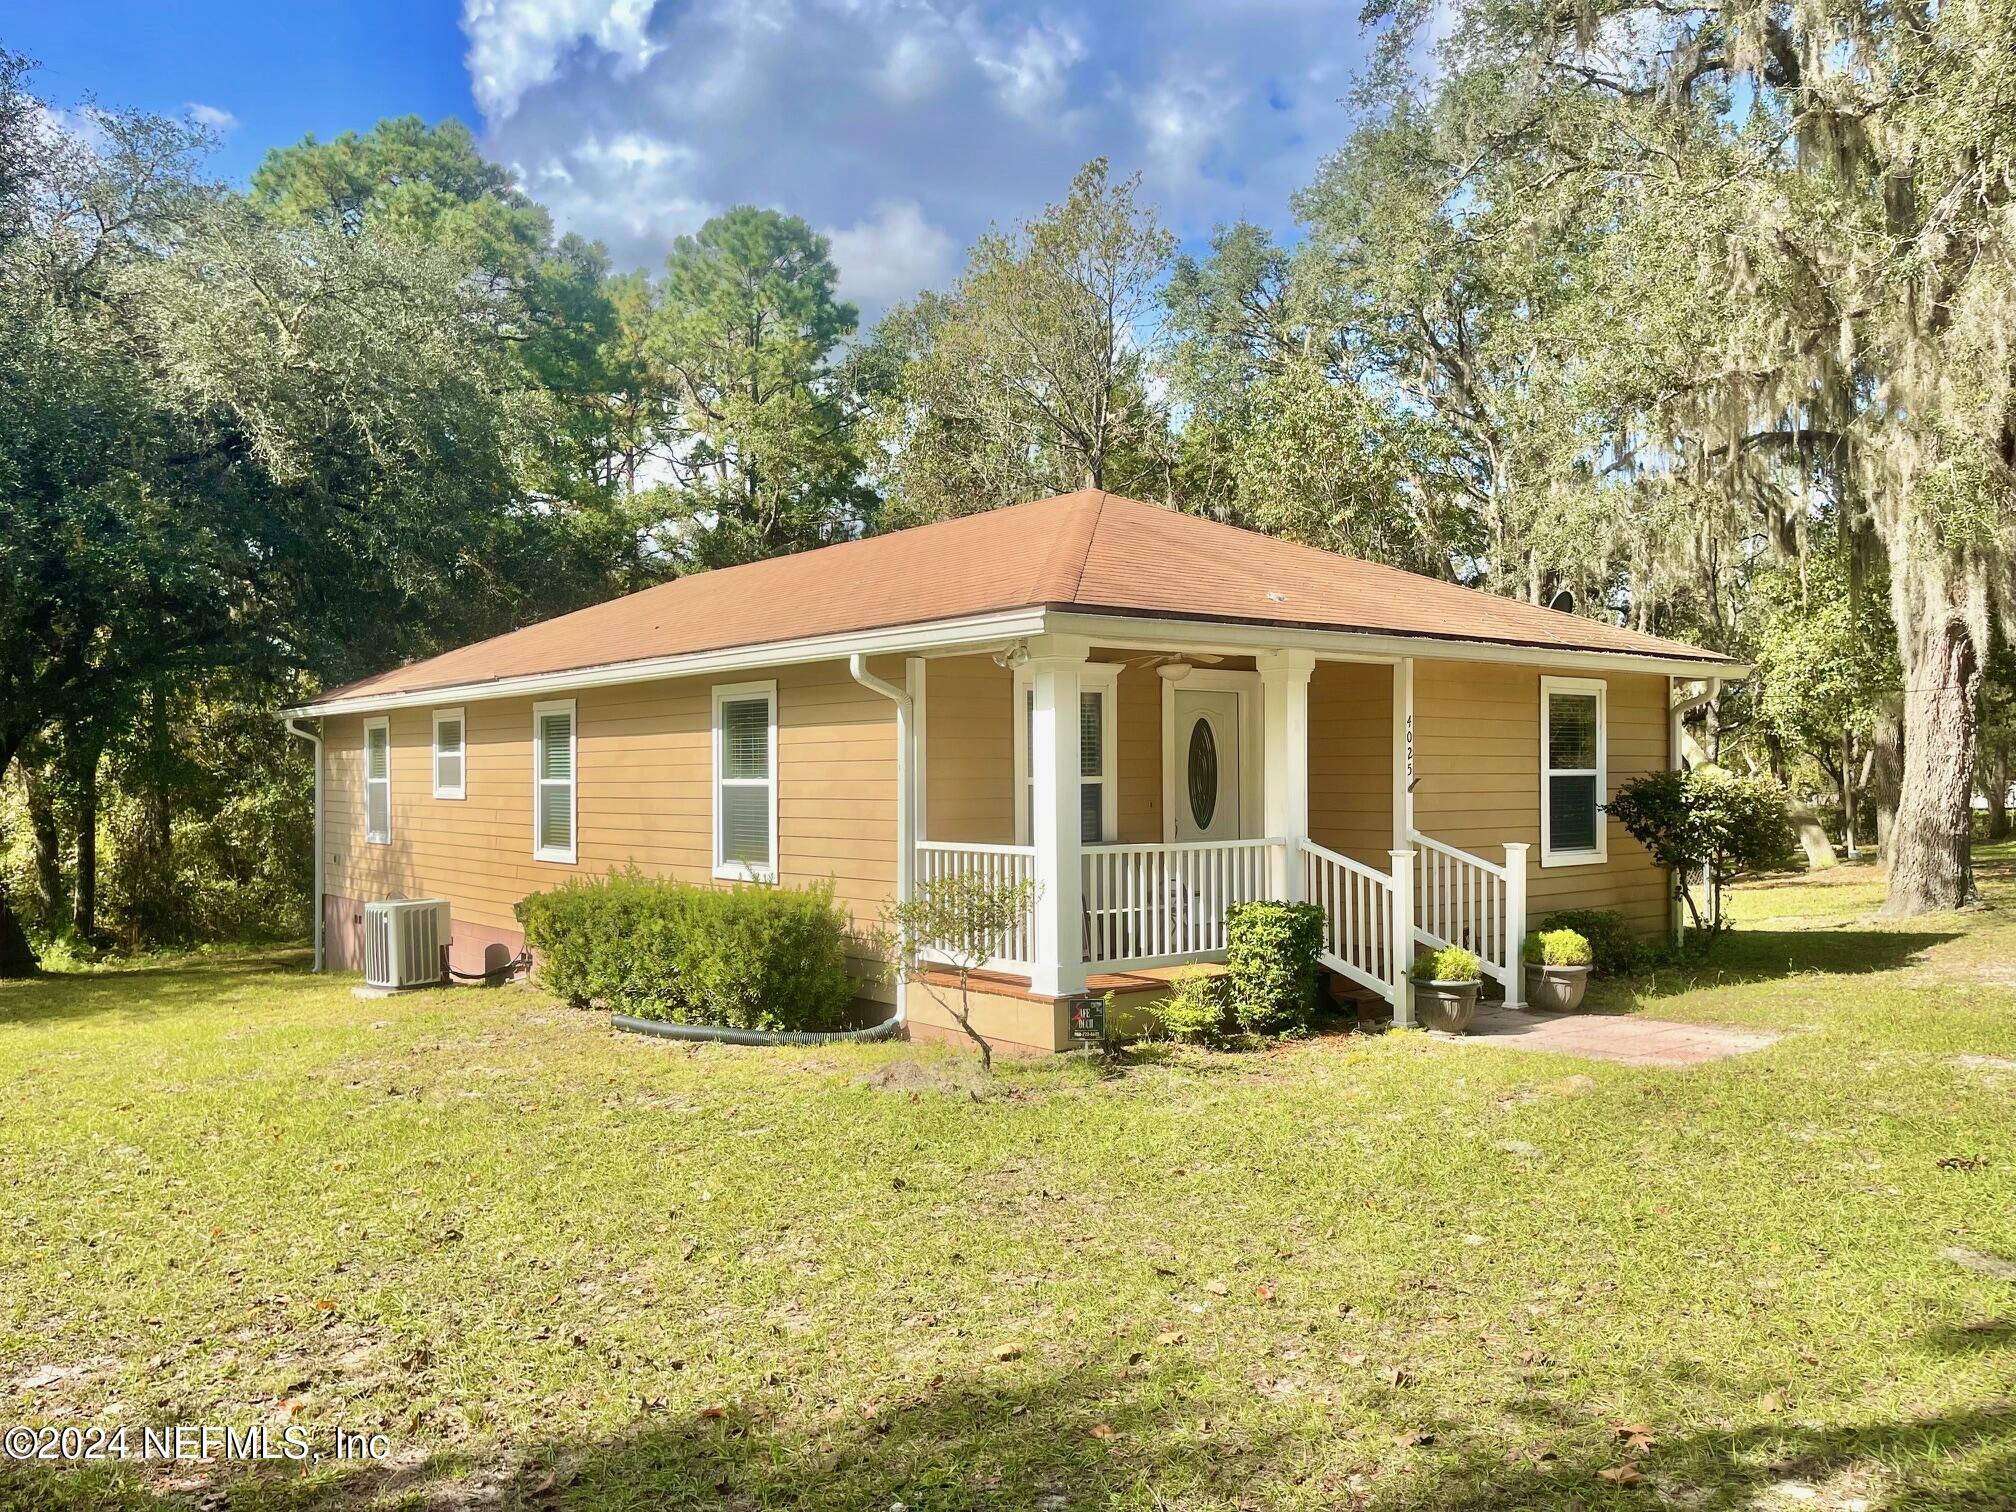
{"x": 1174, "y": 671}
{"x": 1013, "y": 656}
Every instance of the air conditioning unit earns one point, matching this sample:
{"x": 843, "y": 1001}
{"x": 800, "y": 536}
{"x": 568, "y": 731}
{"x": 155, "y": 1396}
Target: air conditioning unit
{"x": 402, "y": 942}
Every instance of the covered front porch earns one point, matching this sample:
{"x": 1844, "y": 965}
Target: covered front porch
{"x": 1147, "y": 788}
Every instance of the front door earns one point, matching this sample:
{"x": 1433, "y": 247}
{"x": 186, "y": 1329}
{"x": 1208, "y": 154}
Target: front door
{"x": 1207, "y": 764}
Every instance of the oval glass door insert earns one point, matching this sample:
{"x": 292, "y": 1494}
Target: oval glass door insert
{"x": 1203, "y": 763}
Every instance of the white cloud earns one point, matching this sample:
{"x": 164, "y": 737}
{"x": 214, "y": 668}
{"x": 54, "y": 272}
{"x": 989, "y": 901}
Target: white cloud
{"x": 1182, "y": 118}
{"x": 55, "y": 124}
{"x": 903, "y": 127}
{"x": 629, "y": 187}
{"x": 517, "y": 44}
{"x": 918, "y": 62}
{"x": 215, "y": 117}
{"x": 1029, "y": 68}
{"x": 891, "y": 254}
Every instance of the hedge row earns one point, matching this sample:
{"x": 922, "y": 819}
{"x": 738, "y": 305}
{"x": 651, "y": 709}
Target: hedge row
{"x": 743, "y": 957}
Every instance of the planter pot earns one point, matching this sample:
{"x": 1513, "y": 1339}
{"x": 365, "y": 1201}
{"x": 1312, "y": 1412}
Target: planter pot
{"x": 1448, "y": 1006}
{"x": 1556, "y": 989}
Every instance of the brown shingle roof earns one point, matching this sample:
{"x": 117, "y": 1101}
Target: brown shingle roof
{"x": 1089, "y": 551}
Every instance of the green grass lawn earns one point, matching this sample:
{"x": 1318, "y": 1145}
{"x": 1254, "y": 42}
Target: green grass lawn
{"x": 561, "y": 1267}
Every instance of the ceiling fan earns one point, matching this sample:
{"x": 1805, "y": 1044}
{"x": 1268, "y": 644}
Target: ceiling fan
{"x": 1173, "y": 666}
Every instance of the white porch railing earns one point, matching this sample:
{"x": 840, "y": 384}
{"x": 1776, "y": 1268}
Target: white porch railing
{"x": 1160, "y": 905}
{"x": 1357, "y": 902}
{"x": 1156, "y": 905}
{"x": 1462, "y": 899}
{"x": 996, "y": 864}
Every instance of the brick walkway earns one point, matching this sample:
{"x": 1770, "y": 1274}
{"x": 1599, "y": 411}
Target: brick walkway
{"x": 1630, "y": 1041}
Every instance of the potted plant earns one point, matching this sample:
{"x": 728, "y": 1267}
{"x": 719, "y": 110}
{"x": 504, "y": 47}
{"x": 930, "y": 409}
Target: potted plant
{"x": 1446, "y": 983}
{"x": 1557, "y": 969}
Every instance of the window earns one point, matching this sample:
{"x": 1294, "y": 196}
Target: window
{"x": 1098, "y": 692}
{"x": 1572, "y": 757}
{"x": 745, "y": 782}
{"x": 553, "y": 750}
{"x": 448, "y": 755}
{"x": 378, "y": 781}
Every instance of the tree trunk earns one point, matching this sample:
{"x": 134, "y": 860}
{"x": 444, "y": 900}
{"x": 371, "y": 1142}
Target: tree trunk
{"x": 1774, "y": 754}
{"x": 1994, "y": 782}
{"x": 1848, "y": 796}
{"x": 51, "y": 894}
{"x": 1886, "y": 748}
{"x": 17, "y": 956}
{"x": 85, "y": 918}
{"x": 1930, "y": 868}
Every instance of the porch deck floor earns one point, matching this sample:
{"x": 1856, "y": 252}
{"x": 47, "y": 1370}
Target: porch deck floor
{"x": 1005, "y": 984}
{"x": 1626, "y": 1040}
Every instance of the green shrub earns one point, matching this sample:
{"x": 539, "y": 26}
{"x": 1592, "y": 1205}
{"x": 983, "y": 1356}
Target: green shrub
{"x": 584, "y": 933}
{"x": 1615, "y": 948}
{"x": 744, "y": 957}
{"x": 1270, "y": 955}
{"x": 1707, "y": 818}
{"x": 1196, "y": 1012}
{"x": 1555, "y": 947}
{"x": 1452, "y": 963}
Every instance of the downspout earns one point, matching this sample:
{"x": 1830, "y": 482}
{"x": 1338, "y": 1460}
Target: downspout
{"x": 857, "y": 666}
{"x": 315, "y": 741}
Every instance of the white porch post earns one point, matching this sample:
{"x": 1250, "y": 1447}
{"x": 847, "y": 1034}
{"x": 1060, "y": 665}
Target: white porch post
{"x": 914, "y": 685}
{"x": 1403, "y": 752}
{"x": 1056, "y": 665}
{"x": 1403, "y": 936}
{"x": 1515, "y": 922}
{"x": 1284, "y": 743}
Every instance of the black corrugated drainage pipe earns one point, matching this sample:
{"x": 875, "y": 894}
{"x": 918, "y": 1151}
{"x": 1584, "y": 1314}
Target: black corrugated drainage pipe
{"x": 720, "y": 1034}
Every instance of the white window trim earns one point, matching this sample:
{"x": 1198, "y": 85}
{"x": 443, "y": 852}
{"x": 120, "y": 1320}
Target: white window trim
{"x": 384, "y": 724}
{"x": 563, "y": 854}
{"x": 739, "y": 871}
{"x": 1093, "y": 677}
{"x": 1549, "y": 856}
{"x": 460, "y": 789}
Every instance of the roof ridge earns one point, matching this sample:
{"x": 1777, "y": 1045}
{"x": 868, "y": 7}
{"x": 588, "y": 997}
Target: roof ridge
{"x": 1088, "y": 549}
{"x": 1556, "y": 625}
{"x": 1091, "y": 535}
{"x": 1057, "y": 579}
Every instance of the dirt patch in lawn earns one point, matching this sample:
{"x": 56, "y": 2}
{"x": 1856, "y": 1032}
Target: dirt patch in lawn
{"x": 945, "y": 1078}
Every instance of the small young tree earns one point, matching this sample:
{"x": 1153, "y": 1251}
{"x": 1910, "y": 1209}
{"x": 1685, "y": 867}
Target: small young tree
{"x": 960, "y": 920}
{"x": 1707, "y": 820}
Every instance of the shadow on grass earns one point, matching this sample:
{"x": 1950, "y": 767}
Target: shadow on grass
{"x": 1963, "y": 1459}
{"x": 141, "y": 991}
{"x": 1762, "y": 955}
{"x": 1098, "y": 1437}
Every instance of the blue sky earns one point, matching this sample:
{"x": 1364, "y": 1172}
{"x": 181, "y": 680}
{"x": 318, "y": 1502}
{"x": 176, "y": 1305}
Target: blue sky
{"x": 901, "y": 128}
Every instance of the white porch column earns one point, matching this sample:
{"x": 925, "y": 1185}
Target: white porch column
{"x": 1403, "y": 936}
{"x": 1284, "y": 744}
{"x": 1515, "y": 922}
{"x": 1056, "y": 666}
{"x": 914, "y": 685}
{"x": 1403, "y": 753}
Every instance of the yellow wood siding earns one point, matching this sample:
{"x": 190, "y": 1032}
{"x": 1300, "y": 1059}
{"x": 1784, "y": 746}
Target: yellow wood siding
{"x": 969, "y": 750}
{"x": 1138, "y": 748}
{"x": 644, "y": 773}
{"x": 1351, "y": 760}
{"x": 1477, "y": 771}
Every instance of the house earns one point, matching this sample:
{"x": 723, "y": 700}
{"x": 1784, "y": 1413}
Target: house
{"x": 1151, "y": 714}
